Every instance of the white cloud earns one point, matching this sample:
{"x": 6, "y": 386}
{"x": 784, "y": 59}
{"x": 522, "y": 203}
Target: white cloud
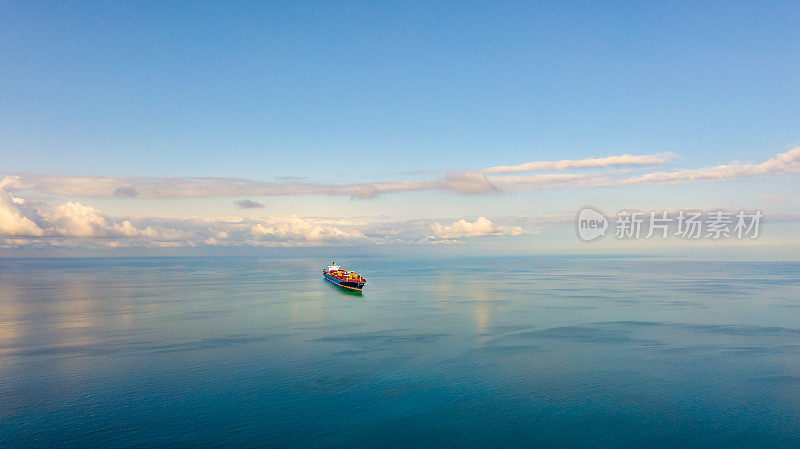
{"x": 76, "y": 220}
{"x": 71, "y": 220}
{"x": 28, "y": 222}
{"x": 488, "y": 180}
{"x": 291, "y": 228}
{"x": 783, "y": 163}
{"x": 465, "y": 229}
{"x": 600, "y": 162}
{"x": 12, "y": 220}
{"x": 73, "y": 224}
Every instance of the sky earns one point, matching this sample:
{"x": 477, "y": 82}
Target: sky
{"x": 369, "y": 127}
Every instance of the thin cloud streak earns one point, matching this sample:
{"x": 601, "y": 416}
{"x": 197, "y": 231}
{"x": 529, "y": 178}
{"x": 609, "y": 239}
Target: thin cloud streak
{"x": 783, "y": 163}
{"x": 476, "y": 182}
{"x": 625, "y": 160}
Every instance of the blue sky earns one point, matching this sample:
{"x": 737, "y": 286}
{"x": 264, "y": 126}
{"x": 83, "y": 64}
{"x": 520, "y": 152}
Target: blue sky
{"x": 344, "y": 93}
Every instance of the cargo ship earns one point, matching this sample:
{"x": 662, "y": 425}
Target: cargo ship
{"x": 346, "y": 279}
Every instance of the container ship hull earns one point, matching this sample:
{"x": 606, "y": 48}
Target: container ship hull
{"x": 350, "y": 285}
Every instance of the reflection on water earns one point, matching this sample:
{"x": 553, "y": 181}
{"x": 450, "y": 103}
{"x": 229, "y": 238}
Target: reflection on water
{"x": 344, "y": 291}
{"x": 482, "y": 315}
{"x": 553, "y": 352}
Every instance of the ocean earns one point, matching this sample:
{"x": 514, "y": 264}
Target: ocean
{"x": 453, "y": 352}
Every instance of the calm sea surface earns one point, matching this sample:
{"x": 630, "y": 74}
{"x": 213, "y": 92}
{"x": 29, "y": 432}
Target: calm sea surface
{"x": 504, "y": 352}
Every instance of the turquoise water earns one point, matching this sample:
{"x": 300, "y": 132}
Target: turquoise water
{"x": 537, "y": 352}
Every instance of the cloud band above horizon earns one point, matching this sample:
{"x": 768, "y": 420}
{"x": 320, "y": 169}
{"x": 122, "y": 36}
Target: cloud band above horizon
{"x": 500, "y": 179}
{"x": 28, "y": 222}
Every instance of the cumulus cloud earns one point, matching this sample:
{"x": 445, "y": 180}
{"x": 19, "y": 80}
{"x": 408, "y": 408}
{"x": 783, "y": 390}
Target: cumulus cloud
{"x": 291, "y": 228}
{"x": 74, "y": 224}
{"x": 445, "y": 231}
{"x": 481, "y": 227}
{"x": 249, "y": 204}
{"x": 77, "y": 220}
{"x": 13, "y": 222}
{"x": 71, "y": 220}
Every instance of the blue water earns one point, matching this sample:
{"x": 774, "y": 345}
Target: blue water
{"x": 503, "y": 352}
